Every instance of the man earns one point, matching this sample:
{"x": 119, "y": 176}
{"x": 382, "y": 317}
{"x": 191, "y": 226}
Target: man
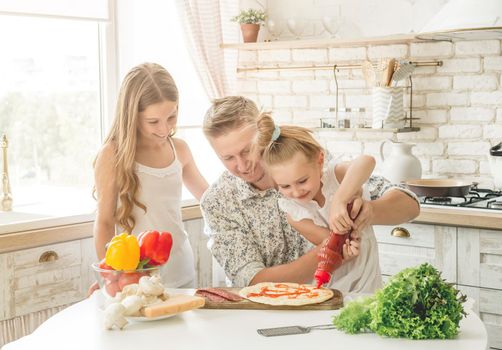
{"x": 249, "y": 236}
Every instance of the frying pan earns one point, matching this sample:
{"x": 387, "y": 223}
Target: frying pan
{"x": 439, "y": 187}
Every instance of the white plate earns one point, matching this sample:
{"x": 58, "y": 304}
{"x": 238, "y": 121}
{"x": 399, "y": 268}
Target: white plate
{"x": 147, "y": 319}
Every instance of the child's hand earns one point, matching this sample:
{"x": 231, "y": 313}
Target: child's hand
{"x": 351, "y": 247}
{"x": 339, "y": 218}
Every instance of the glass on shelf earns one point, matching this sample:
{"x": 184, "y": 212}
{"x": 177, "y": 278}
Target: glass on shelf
{"x": 296, "y": 27}
{"x": 275, "y": 28}
{"x": 359, "y": 118}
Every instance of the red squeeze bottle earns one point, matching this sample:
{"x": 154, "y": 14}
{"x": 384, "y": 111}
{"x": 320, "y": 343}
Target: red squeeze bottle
{"x": 330, "y": 256}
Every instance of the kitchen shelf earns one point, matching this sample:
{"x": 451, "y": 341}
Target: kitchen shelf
{"x": 328, "y": 43}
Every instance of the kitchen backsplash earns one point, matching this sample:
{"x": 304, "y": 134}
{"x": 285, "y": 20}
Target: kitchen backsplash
{"x": 459, "y": 103}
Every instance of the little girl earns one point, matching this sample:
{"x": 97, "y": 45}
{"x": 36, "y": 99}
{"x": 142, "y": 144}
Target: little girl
{"x": 140, "y": 169}
{"x": 316, "y": 198}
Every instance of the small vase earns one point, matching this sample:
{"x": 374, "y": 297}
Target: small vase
{"x": 250, "y": 32}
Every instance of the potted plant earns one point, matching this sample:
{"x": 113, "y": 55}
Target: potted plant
{"x": 250, "y": 21}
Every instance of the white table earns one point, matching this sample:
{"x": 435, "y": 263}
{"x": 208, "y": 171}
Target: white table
{"x": 80, "y": 327}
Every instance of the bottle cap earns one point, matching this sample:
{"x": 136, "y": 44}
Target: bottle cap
{"x": 321, "y": 277}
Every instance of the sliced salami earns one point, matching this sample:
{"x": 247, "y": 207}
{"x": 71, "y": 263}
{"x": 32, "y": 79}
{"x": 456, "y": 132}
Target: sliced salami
{"x": 227, "y": 295}
{"x": 210, "y": 296}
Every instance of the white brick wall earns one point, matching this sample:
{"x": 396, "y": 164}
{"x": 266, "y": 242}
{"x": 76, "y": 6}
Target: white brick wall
{"x": 440, "y": 49}
{"x": 308, "y": 55}
{"x": 343, "y": 54}
{"x": 454, "y": 166}
{"x": 396, "y": 51}
{"x": 473, "y": 48}
{"x": 466, "y": 114}
{"x": 460, "y": 65}
{"x": 447, "y": 99}
{"x": 459, "y": 104}
{"x": 460, "y": 131}
{"x": 485, "y": 82}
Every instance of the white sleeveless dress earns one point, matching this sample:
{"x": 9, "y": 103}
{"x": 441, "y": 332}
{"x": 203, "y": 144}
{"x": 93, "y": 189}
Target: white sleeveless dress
{"x": 359, "y": 275}
{"x": 160, "y": 191}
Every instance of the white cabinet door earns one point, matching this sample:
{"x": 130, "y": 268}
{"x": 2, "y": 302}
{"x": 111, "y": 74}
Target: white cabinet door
{"x": 480, "y": 276}
{"x": 427, "y": 243}
{"x": 5, "y": 287}
{"x": 488, "y": 306}
{"x": 480, "y": 258}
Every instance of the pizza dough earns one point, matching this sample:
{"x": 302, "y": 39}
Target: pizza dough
{"x": 294, "y": 294}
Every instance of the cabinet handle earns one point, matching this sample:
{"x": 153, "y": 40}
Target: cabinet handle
{"x": 48, "y": 256}
{"x": 400, "y": 232}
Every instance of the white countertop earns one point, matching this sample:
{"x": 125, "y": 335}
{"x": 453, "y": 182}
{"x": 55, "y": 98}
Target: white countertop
{"x": 80, "y": 327}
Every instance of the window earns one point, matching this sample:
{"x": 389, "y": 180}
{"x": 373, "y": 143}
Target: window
{"x": 50, "y": 108}
{"x": 153, "y": 34}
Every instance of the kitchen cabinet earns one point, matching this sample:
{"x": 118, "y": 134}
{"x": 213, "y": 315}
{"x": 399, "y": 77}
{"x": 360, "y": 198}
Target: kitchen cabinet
{"x": 39, "y": 282}
{"x": 427, "y": 243}
{"x": 480, "y": 276}
{"x": 469, "y": 257}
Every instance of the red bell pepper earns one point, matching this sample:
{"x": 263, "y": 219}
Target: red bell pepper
{"x": 155, "y": 246}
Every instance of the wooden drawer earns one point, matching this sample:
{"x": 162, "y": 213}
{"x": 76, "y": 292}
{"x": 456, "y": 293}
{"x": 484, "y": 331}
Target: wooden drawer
{"x": 44, "y": 277}
{"x": 427, "y": 243}
{"x": 420, "y": 235}
{"x": 489, "y": 309}
{"x": 480, "y": 258}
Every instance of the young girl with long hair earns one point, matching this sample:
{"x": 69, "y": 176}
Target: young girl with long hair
{"x": 141, "y": 167}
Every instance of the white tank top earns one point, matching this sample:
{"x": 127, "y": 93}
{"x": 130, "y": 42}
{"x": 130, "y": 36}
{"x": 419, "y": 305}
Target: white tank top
{"x": 160, "y": 191}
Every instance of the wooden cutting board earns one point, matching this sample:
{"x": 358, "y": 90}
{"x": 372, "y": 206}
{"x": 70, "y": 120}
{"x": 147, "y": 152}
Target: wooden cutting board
{"x": 334, "y": 303}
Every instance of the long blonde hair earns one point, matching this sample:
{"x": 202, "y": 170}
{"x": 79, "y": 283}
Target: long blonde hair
{"x": 285, "y": 143}
{"x": 144, "y": 85}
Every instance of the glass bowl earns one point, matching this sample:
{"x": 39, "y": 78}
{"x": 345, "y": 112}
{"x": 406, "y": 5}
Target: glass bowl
{"x": 112, "y": 281}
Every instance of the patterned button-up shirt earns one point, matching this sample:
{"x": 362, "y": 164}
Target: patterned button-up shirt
{"x": 249, "y": 232}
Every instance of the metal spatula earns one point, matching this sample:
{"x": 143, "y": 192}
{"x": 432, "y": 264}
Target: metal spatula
{"x": 289, "y": 330}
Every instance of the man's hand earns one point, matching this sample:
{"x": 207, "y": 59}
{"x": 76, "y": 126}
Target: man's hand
{"x": 362, "y": 210}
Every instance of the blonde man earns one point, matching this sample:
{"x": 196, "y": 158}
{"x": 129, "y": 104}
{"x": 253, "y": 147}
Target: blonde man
{"x": 250, "y": 236}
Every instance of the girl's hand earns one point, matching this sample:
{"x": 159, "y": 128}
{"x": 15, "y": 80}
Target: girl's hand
{"x": 362, "y": 210}
{"x": 351, "y": 248}
{"x": 339, "y": 218}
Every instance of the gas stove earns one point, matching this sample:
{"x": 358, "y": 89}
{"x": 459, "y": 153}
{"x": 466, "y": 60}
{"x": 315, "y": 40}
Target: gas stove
{"x": 479, "y": 198}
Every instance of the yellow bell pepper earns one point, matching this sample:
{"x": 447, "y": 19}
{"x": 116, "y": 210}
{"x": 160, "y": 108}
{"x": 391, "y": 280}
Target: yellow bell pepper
{"x": 123, "y": 252}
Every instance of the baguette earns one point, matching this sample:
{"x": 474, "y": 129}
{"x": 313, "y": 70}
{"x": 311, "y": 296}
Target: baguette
{"x": 175, "y": 304}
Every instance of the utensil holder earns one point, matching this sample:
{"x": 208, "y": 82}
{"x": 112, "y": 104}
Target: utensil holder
{"x": 388, "y": 111}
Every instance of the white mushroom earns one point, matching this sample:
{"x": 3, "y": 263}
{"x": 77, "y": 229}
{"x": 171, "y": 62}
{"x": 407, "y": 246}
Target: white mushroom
{"x": 130, "y": 289}
{"x": 132, "y": 304}
{"x": 151, "y": 285}
{"x": 114, "y": 316}
{"x": 150, "y": 299}
{"x": 165, "y": 295}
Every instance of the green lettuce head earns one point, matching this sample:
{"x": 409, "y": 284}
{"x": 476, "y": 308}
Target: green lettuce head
{"x": 416, "y": 303}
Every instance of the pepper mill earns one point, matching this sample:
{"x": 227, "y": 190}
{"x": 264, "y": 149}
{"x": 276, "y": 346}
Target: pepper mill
{"x": 7, "y": 196}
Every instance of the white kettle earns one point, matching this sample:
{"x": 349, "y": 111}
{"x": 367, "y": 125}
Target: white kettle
{"x": 400, "y": 165}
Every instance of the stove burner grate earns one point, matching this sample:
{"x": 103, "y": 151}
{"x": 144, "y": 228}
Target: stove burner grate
{"x": 444, "y": 200}
{"x": 494, "y": 204}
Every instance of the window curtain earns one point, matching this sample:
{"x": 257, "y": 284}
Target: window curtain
{"x": 206, "y": 25}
